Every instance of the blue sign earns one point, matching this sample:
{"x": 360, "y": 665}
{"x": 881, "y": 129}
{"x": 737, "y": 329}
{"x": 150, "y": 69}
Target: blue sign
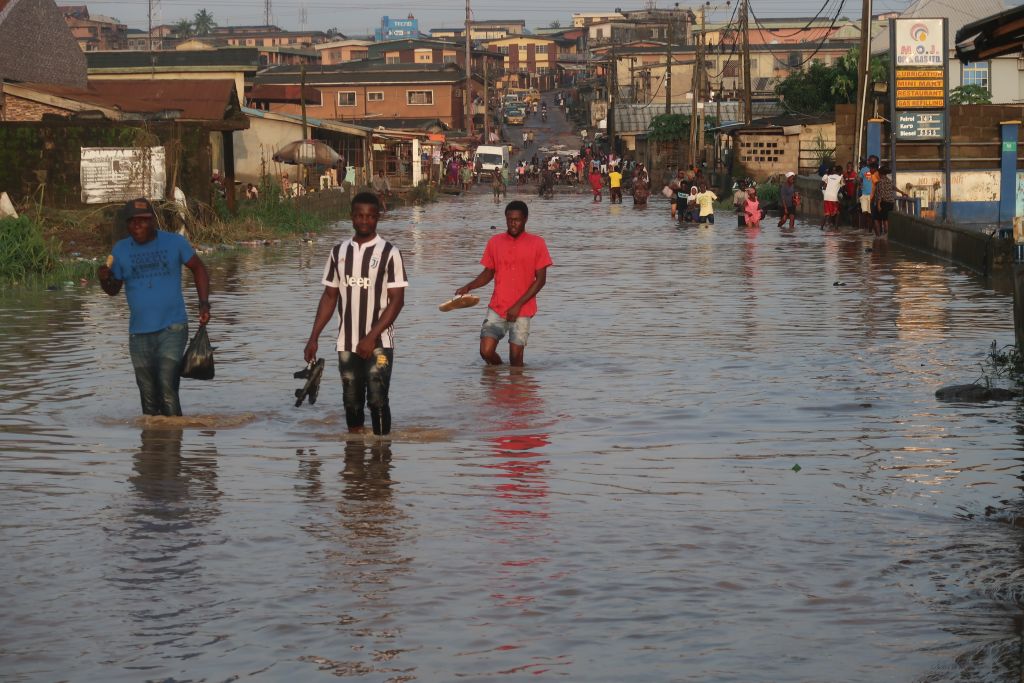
{"x": 920, "y": 125}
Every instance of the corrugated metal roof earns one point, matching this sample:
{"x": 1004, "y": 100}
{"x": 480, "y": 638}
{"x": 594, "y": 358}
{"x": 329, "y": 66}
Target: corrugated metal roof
{"x": 247, "y": 58}
{"x": 959, "y": 14}
{"x": 196, "y": 100}
{"x": 636, "y": 119}
{"x": 283, "y": 93}
{"x": 349, "y": 76}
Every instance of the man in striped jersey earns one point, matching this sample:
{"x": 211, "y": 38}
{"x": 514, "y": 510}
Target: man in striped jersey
{"x": 364, "y": 279}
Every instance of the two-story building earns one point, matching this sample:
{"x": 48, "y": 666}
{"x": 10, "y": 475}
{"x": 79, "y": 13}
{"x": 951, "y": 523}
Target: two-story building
{"x": 268, "y": 36}
{"x": 95, "y": 32}
{"x": 162, "y": 37}
{"x": 487, "y": 29}
{"x": 369, "y": 91}
{"x": 428, "y": 51}
{"x": 527, "y": 61}
{"x": 345, "y": 50}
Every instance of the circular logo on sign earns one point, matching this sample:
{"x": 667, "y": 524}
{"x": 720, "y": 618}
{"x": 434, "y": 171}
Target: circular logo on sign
{"x": 919, "y": 33}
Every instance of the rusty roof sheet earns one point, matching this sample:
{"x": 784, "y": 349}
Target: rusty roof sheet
{"x": 272, "y": 92}
{"x": 197, "y": 100}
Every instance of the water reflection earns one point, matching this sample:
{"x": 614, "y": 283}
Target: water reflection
{"x": 366, "y": 560}
{"x": 161, "y": 551}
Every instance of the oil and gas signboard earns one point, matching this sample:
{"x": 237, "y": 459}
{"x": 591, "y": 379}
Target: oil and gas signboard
{"x": 920, "y": 125}
{"x": 918, "y": 74}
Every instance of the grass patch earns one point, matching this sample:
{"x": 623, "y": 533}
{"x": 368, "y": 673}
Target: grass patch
{"x": 28, "y": 256}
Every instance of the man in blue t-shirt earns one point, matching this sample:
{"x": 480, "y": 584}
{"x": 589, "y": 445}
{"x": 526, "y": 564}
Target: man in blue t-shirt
{"x": 148, "y": 264}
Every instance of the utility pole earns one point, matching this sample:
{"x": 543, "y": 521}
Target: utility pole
{"x": 266, "y": 12}
{"x": 469, "y": 73}
{"x": 613, "y": 86}
{"x": 748, "y": 105}
{"x": 863, "y": 66}
{"x": 487, "y": 113}
{"x": 668, "y": 63}
{"x": 305, "y": 129}
{"x": 696, "y": 127}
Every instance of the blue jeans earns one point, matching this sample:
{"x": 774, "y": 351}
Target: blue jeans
{"x": 367, "y": 382}
{"x": 156, "y": 357}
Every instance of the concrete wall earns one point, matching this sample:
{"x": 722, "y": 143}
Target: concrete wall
{"x": 964, "y": 246}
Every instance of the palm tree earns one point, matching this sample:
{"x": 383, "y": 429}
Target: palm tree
{"x": 203, "y": 23}
{"x": 183, "y": 28}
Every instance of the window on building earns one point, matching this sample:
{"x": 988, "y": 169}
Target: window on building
{"x": 731, "y": 70}
{"x": 793, "y": 60}
{"x": 419, "y": 97}
{"x": 347, "y": 98}
{"x": 975, "y": 73}
{"x": 392, "y": 59}
{"x": 503, "y": 49}
{"x": 448, "y": 59}
{"x": 600, "y": 33}
{"x": 542, "y": 49}
{"x": 375, "y": 96}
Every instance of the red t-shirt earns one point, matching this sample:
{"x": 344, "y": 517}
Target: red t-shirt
{"x": 515, "y": 262}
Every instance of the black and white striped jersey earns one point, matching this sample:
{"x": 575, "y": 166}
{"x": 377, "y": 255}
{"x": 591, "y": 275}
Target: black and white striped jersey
{"x": 363, "y": 273}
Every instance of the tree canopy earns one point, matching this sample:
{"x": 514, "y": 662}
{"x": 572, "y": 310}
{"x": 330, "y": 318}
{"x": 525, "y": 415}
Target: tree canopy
{"x": 819, "y": 88}
{"x": 970, "y": 94}
{"x": 203, "y": 23}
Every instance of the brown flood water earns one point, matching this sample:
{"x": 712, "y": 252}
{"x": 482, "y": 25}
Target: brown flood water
{"x": 625, "y": 509}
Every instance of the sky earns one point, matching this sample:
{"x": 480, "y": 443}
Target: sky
{"x": 360, "y": 17}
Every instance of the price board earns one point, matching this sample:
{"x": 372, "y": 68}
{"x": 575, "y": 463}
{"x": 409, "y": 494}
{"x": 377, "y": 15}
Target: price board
{"x": 921, "y": 125}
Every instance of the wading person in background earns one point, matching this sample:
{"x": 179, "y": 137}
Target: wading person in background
{"x": 382, "y": 188}
{"x": 518, "y": 262}
{"x": 788, "y": 200}
{"x": 148, "y": 264}
{"x": 831, "y": 183}
{"x": 364, "y": 280}
{"x": 883, "y": 200}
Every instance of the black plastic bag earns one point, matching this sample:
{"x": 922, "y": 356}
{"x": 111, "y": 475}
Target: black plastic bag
{"x": 197, "y": 362}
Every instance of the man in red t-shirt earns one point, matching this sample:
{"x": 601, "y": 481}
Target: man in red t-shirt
{"x": 518, "y": 262}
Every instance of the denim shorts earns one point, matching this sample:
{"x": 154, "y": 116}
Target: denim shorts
{"x": 496, "y": 327}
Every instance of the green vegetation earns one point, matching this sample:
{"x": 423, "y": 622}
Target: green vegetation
{"x": 670, "y": 127}
{"x": 26, "y": 255}
{"x": 970, "y": 94}
{"x": 818, "y": 88}
{"x": 1005, "y": 363}
{"x": 768, "y": 194}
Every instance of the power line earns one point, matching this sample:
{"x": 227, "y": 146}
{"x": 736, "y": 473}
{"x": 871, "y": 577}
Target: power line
{"x": 824, "y": 39}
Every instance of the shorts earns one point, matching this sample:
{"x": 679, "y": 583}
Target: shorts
{"x": 831, "y": 208}
{"x": 881, "y": 210}
{"x": 496, "y": 327}
{"x": 709, "y": 219}
{"x": 865, "y": 203}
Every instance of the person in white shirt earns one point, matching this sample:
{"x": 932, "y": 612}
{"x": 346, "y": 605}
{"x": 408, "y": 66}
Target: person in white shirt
{"x": 831, "y": 182}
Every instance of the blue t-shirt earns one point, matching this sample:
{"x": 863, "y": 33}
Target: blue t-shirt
{"x": 865, "y": 180}
{"x": 152, "y": 280}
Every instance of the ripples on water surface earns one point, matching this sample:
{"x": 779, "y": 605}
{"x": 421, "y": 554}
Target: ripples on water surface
{"x": 625, "y": 509}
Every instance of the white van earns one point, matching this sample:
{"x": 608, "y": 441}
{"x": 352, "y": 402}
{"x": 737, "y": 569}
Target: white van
{"x": 489, "y": 158}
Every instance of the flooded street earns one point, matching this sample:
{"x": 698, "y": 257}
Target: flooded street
{"x": 628, "y": 508}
